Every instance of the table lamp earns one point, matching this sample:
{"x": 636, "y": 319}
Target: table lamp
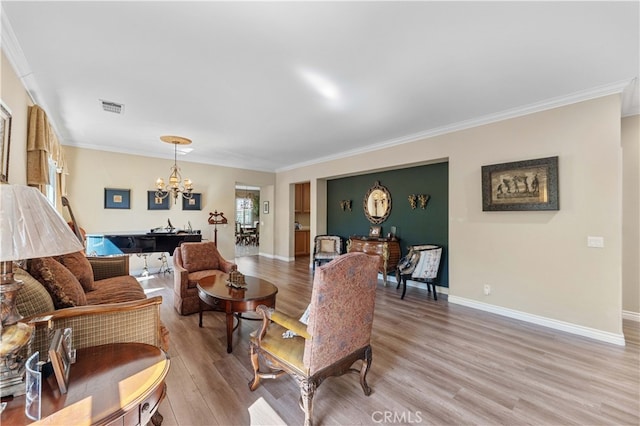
{"x": 29, "y": 228}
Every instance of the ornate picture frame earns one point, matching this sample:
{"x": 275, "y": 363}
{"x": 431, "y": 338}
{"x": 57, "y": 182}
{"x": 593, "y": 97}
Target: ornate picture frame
{"x": 375, "y": 231}
{"x": 521, "y": 185}
{"x": 377, "y": 203}
{"x": 5, "y": 141}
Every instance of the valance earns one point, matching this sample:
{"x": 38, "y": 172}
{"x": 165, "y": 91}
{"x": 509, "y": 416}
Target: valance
{"x": 42, "y": 144}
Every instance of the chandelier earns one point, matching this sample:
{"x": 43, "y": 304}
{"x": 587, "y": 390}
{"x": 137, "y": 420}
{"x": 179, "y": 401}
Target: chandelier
{"x": 175, "y": 186}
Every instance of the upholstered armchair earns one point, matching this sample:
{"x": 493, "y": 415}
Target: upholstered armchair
{"x": 325, "y": 249}
{"x": 191, "y": 263}
{"x": 338, "y": 333}
{"x": 421, "y": 264}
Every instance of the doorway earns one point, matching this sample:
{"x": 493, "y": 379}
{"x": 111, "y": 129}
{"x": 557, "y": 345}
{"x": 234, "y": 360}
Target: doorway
{"x": 247, "y": 220}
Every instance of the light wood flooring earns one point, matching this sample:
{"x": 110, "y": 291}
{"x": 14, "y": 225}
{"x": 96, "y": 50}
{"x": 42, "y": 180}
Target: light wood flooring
{"x": 433, "y": 364}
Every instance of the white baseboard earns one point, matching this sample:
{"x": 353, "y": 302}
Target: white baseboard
{"x": 270, "y": 256}
{"x": 283, "y": 258}
{"x": 632, "y": 316}
{"x": 604, "y": 336}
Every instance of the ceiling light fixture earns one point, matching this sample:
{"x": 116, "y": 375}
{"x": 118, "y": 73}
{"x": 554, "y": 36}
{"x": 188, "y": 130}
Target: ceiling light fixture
{"x": 175, "y": 185}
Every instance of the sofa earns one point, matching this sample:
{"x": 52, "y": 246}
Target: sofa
{"x": 73, "y": 287}
{"x": 191, "y": 263}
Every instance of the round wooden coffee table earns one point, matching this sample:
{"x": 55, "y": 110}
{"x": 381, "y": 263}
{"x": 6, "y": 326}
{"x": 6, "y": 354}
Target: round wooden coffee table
{"x": 215, "y": 294}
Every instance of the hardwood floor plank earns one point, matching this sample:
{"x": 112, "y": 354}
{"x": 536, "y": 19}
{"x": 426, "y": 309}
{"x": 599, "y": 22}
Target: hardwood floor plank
{"x": 433, "y": 363}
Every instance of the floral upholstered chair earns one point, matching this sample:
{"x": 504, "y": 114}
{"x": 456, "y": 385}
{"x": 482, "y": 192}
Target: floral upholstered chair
{"x": 422, "y": 264}
{"x": 338, "y": 333}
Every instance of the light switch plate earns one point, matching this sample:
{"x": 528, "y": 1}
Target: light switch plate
{"x": 596, "y": 242}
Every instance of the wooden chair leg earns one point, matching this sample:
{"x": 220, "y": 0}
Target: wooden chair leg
{"x": 366, "y": 364}
{"x": 307, "y": 389}
{"x": 404, "y": 286}
{"x": 253, "y": 384}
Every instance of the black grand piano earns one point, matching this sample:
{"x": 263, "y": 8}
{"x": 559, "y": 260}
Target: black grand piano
{"x": 154, "y": 241}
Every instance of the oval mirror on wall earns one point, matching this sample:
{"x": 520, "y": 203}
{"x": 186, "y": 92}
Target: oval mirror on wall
{"x": 377, "y": 203}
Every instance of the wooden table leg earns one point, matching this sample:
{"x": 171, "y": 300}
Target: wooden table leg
{"x": 229, "y": 331}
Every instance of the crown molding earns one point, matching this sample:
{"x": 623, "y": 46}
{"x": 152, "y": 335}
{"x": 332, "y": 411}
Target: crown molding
{"x": 573, "y": 98}
{"x": 15, "y": 55}
{"x": 17, "y": 59}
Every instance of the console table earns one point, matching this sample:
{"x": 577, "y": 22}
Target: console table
{"x": 387, "y": 249}
{"x": 114, "y": 384}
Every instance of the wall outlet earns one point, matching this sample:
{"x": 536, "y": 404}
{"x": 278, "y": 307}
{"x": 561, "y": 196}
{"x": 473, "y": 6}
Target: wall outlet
{"x": 487, "y": 289}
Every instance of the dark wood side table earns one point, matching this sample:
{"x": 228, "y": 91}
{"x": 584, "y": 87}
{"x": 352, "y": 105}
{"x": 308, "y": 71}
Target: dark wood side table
{"x": 215, "y": 294}
{"x": 114, "y": 384}
{"x": 386, "y": 248}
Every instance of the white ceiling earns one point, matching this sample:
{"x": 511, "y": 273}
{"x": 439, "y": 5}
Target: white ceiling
{"x": 273, "y": 85}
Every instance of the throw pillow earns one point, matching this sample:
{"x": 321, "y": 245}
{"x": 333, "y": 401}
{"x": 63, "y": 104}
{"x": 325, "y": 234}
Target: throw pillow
{"x": 199, "y": 256}
{"x": 33, "y": 298}
{"x": 327, "y": 246}
{"x": 64, "y": 288}
{"x": 78, "y": 264}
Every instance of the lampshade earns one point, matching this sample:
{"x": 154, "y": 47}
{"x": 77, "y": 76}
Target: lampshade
{"x": 30, "y": 227}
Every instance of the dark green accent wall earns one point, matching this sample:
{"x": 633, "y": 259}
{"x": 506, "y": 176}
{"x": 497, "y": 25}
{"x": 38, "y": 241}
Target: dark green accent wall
{"x": 428, "y": 226}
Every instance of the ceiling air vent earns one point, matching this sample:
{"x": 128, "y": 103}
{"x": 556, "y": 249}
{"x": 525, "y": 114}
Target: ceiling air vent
{"x": 112, "y": 106}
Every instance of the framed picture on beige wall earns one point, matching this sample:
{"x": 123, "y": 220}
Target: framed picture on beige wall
{"x": 192, "y": 203}
{"x": 5, "y": 140}
{"x": 115, "y": 198}
{"x": 155, "y": 202}
{"x": 521, "y": 185}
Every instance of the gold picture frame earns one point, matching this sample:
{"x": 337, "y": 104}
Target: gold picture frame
{"x": 60, "y": 361}
{"x": 377, "y": 203}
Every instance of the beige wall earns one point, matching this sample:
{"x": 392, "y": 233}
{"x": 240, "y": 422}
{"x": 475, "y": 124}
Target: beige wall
{"x": 631, "y": 216}
{"x": 536, "y": 262}
{"x": 91, "y": 171}
{"x": 14, "y": 95}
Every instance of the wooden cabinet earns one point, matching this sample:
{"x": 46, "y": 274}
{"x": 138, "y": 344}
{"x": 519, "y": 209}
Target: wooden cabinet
{"x": 303, "y": 197}
{"x": 387, "y": 249}
{"x": 302, "y": 243}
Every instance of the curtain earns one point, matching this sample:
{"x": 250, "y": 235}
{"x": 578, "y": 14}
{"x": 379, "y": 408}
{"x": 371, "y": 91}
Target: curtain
{"x": 42, "y": 144}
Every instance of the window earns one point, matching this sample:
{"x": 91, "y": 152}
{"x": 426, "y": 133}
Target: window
{"x": 244, "y": 210}
{"x": 51, "y": 188}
